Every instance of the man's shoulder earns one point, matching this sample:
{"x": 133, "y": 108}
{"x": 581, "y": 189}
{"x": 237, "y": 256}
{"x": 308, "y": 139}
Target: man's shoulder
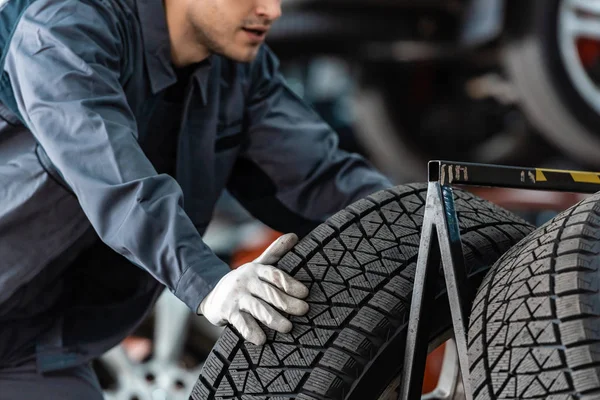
{"x": 85, "y": 25}
{"x": 82, "y": 12}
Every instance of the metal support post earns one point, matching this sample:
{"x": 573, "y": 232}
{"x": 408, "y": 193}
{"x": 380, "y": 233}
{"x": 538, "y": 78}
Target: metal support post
{"x": 440, "y": 242}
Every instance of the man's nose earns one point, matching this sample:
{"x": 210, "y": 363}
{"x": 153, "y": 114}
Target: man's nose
{"x": 269, "y": 9}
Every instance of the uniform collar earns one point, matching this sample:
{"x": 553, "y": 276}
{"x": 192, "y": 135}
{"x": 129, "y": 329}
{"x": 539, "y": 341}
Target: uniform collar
{"x": 201, "y": 76}
{"x": 157, "y": 46}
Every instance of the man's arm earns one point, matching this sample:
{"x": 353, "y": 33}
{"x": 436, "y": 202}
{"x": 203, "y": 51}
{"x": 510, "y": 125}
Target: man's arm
{"x": 291, "y": 174}
{"x": 63, "y": 63}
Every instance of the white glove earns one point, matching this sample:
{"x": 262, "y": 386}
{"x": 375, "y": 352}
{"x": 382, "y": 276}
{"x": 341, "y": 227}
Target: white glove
{"x": 244, "y": 293}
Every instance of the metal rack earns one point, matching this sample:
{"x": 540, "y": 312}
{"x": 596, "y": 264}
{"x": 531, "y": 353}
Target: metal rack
{"x": 441, "y": 244}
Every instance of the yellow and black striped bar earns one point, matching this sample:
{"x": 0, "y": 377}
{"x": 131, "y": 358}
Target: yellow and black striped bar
{"x": 474, "y": 174}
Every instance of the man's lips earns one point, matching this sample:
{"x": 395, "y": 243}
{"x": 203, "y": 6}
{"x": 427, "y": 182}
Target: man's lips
{"x": 260, "y": 29}
{"x": 258, "y": 32}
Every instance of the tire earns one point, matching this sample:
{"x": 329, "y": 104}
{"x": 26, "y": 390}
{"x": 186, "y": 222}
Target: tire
{"x": 548, "y": 97}
{"x": 350, "y": 345}
{"x": 534, "y": 326}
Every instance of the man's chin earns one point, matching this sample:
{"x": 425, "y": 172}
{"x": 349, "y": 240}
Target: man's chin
{"x": 245, "y": 55}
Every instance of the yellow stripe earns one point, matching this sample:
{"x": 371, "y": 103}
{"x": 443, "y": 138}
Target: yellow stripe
{"x": 586, "y": 177}
{"x": 577, "y": 176}
{"x": 539, "y": 176}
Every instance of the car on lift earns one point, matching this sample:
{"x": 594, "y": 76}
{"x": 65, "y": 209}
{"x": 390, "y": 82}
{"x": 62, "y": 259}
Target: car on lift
{"x": 479, "y": 80}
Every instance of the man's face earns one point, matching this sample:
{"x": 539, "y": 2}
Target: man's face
{"x": 233, "y": 28}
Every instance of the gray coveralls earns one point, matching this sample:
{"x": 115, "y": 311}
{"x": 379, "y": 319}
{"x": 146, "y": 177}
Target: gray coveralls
{"x": 111, "y": 162}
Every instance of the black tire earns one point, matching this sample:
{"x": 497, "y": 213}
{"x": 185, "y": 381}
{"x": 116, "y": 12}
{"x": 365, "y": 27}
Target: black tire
{"x": 359, "y": 266}
{"x": 547, "y": 94}
{"x": 534, "y": 326}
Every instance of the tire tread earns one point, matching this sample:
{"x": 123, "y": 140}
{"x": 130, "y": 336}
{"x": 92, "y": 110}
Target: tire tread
{"x": 535, "y": 324}
{"x": 359, "y": 266}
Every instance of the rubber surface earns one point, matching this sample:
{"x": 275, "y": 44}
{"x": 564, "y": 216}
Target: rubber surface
{"x": 359, "y": 266}
{"x": 535, "y": 326}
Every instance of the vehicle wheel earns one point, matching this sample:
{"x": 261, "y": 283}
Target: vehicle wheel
{"x": 359, "y": 266}
{"x": 162, "y": 359}
{"x": 406, "y": 116}
{"x": 552, "y": 54}
{"x": 534, "y": 326}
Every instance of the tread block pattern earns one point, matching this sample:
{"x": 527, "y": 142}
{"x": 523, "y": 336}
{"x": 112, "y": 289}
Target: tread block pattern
{"x": 535, "y": 322}
{"x": 359, "y": 266}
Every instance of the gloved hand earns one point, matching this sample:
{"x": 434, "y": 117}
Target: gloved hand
{"x": 243, "y": 294}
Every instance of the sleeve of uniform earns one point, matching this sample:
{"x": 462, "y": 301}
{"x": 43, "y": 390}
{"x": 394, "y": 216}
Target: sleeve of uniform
{"x": 63, "y": 62}
{"x": 291, "y": 174}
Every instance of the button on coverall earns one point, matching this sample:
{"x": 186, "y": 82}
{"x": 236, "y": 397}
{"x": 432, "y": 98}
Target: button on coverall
{"x": 107, "y": 183}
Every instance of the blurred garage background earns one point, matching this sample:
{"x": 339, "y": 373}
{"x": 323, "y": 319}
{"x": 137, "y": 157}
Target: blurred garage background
{"x": 403, "y": 82}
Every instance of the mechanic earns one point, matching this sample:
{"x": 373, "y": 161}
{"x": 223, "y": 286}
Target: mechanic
{"x": 121, "y": 123}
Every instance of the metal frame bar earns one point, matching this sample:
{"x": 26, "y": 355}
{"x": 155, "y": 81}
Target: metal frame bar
{"x": 440, "y": 243}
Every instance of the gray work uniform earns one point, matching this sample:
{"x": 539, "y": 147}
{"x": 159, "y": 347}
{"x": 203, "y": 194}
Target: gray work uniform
{"x": 102, "y": 147}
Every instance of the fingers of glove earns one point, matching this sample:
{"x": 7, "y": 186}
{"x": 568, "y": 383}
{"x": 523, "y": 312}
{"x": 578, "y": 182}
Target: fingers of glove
{"x": 277, "y": 249}
{"x": 248, "y": 328}
{"x": 283, "y": 281}
{"x": 265, "y": 314}
{"x": 277, "y": 298}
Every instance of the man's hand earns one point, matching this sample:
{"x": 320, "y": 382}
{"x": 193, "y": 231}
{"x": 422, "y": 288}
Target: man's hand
{"x": 244, "y": 293}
